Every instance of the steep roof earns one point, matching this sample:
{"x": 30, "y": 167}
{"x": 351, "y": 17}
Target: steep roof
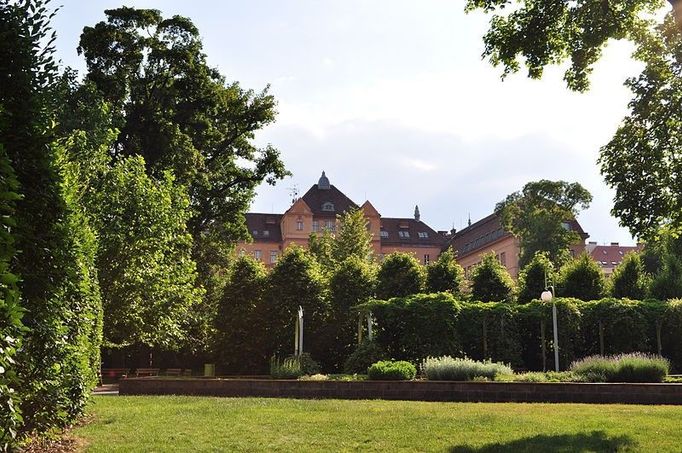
{"x": 611, "y": 255}
{"x": 264, "y": 227}
{"x": 315, "y": 198}
{"x": 407, "y": 232}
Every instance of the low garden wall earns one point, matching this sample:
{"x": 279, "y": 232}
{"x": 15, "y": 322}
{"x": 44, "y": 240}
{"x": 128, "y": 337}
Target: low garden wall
{"x": 410, "y": 390}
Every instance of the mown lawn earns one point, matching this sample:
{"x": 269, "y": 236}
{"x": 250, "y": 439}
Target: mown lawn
{"x": 178, "y": 424}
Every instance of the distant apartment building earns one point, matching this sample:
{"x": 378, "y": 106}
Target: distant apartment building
{"x": 610, "y": 256}
{"x": 487, "y": 235}
{"x": 317, "y": 210}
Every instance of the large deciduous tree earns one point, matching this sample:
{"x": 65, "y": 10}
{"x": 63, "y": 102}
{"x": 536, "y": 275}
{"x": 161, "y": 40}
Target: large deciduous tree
{"x": 180, "y": 114}
{"x": 539, "y": 214}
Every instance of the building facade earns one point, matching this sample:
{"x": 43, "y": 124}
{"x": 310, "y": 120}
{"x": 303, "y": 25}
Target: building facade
{"x": 317, "y": 211}
{"x": 487, "y": 235}
{"x": 610, "y": 256}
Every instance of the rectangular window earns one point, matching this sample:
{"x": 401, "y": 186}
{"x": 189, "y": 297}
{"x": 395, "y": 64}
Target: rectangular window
{"x": 384, "y": 234}
{"x": 404, "y": 234}
{"x": 257, "y": 254}
{"x": 266, "y": 233}
{"x": 316, "y": 226}
{"x": 330, "y": 225}
{"x": 254, "y": 232}
{"x": 503, "y": 259}
{"x": 273, "y": 256}
{"x": 299, "y": 225}
{"x": 423, "y": 235}
{"x": 427, "y": 259}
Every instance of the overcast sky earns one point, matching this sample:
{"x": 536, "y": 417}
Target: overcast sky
{"x": 392, "y": 100}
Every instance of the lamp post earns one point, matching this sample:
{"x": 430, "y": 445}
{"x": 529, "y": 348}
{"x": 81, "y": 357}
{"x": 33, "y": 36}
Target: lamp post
{"x": 548, "y": 296}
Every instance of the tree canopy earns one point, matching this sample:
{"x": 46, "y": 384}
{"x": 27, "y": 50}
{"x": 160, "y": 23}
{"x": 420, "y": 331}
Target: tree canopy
{"x": 180, "y": 114}
{"x": 539, "y": 215}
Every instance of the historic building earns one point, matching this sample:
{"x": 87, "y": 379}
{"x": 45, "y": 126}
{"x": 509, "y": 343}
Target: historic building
{"x": 317, "y": 211}
{"x": 610, "y": 256}
{"x": 488, "y": 235}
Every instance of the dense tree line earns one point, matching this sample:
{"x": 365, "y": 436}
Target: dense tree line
{"x": 112, "y": 185}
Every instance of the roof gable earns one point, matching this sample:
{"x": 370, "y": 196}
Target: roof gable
{"x": 327, "y": 202}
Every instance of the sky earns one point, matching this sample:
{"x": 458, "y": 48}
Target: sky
{"x": 393, "y": 100}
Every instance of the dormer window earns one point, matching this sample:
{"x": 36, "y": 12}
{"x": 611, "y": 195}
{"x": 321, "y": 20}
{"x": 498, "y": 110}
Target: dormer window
{"x": 254, "y": 232}
{"x": 404, "y": 234}
{"x": 328, "y": 206}
{"x": 266, "y": 233}
{"x": 423, "y": 235}
{"x": 384, "y": 234}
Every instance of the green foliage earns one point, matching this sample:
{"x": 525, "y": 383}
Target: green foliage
{"x": 415, "y": 327}
{"x": 629, "y": 279}
{"x": 635, "y": 367}
{"x": 543, "y": 33}
{"x": 351, "y": 284}
{"x": 490, "y": 281}
{"x": 296, "y": 280}
{"x": 59, "y": 356}
{"x": 641, "y": 162}
{"x": 582, "y": 278}
{"x": 489, "y": 330}
{"x": 367, "y": 353}
{"x": 538, "y": 216}
{"x": 667, "y": 284}
{"x": 400, "y": 275}
{"x": 289, "y": 368}
{"x": 11, "y": 328}
{"x": 352, "y": 238}
{"x": 534, "y": 277}
{"x": 390, "y": 370}
{"x": 448, "y": 369}
{"x": 146, "y": 270}
{"x": 445, "y": 274}
{"x": 180, "y": 114}
{"x": 239, "y": 338}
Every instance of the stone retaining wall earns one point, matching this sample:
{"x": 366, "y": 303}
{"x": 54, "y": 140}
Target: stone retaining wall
{"x": 410, "y": 390}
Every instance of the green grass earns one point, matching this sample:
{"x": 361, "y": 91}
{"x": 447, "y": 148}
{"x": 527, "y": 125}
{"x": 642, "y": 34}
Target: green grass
{"x": 177, "y": 424}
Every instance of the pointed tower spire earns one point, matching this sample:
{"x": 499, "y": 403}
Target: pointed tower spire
{"x": 416, "y": 213}
{"x": 469, "y": 223}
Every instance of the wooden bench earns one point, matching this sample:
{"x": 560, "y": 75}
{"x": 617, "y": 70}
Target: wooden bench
{"x": 114, "y": 374}
{"x": 173, "y": 372}
{"x": 141, "y": 372}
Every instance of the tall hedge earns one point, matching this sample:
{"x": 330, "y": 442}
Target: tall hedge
{"x": 415, "y": 327}
{"x": 491, "y": 282}
{"x": 57, "y": 363}
{"x": 582, "y": 278}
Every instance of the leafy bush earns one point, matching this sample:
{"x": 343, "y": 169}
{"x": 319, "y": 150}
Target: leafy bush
{"x": 289, "y": 368}
{"x": 400, "y": 275}
{"x": 582, "y": 278}
{"x": 367, "y": 353}
{"x": 448, "y": 369}
{"x": 636, "y": 367}
{"x": 533, "y": 277}
{"x": 445, "y": 274}
{"x": 390, "y": 370}
{"x": 629, "y": 279}
{"x": 490, "y": 281}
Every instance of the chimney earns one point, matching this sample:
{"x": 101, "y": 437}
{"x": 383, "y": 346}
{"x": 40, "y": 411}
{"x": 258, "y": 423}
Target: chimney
{"x": 615, "y": 244}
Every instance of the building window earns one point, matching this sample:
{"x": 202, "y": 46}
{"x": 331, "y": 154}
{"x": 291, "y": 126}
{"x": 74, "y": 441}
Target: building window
{"x": 404, "y": 234}
{"x": 242, "y": 252}
{"x": 316, "y": 226}
{"x": 254, "y": 232}
{"x": 266, "y": 233}
{"x": 423, "y": 235}
{"x": 273, "y": 256}
{"x": 299, "y": 225}
{"x": 427, "y": 260}
{"x": 257, "y": 254}
{"x": 328, "y": 206}
{"x": 503, "y": 259}
{"x": 330, "y": 225}
{"x": 384, "y": 234}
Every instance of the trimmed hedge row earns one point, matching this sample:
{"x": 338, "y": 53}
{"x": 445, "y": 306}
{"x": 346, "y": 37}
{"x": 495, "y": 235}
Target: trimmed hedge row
{"x": 415, "y": 327}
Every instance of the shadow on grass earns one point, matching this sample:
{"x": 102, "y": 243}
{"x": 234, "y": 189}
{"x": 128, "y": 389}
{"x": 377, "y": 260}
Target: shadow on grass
{"x": 581, "y": 442}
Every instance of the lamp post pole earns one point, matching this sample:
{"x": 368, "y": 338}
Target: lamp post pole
{"x": 547, "y": 296}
